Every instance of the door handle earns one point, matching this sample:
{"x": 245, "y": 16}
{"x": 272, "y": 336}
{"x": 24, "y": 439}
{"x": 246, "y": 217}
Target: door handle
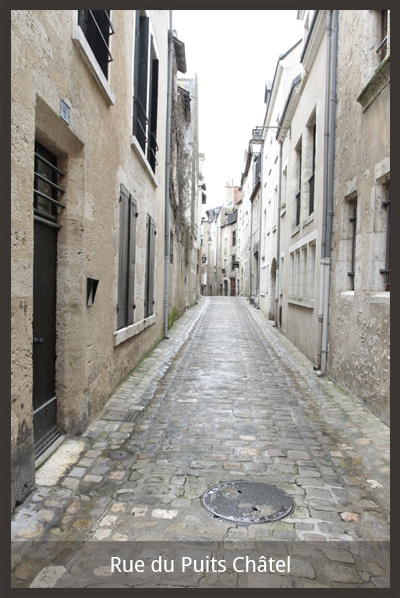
{"x": 38, "y": 341}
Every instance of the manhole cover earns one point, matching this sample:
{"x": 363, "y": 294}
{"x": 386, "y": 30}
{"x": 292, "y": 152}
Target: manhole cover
{"x": 248, "y": 502}
{"x": 119, "y": 454}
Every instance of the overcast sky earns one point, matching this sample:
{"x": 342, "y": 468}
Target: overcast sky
{"x": 234, "y": 53}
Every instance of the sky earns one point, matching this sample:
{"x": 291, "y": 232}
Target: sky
{"x": 234, "y": 53}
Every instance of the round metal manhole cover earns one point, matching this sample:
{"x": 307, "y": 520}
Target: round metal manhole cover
{"x": 248, "y": 502}
{"x": 119, "y": 454}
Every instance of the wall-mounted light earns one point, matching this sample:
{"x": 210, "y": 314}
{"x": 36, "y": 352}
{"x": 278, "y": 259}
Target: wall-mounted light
{"x": 91, "y": 288}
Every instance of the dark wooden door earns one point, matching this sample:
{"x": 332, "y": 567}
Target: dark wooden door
{"x": 233, "y": 287}
{"x": 44, "y": 337}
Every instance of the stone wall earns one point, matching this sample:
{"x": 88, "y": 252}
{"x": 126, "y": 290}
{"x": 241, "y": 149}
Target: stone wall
{"x": 359, "y": 349}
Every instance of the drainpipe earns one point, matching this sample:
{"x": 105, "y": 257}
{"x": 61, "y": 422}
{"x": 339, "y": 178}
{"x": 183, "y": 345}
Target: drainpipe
{"x": 278, "y": 237}
{"x": 167, "y": 174}
{"x": 251, "y": 251}
{"x": 317, "y": 366}
{"x": 260, "y": 224}
{"x": 329, "y": 218}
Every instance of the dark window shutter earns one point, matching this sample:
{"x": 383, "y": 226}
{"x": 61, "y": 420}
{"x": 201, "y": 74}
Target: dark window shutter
{"x": 122, "y": 317}
{"x": 131, "y": 260}
{"x": 142, "y": 82}
{"x": 136, "y": 74}
{"x": 101, "y": 40}
{"x": 153, "y": 108}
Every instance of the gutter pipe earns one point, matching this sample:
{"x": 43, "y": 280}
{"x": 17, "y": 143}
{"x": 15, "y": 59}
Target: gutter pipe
{"x": 278, "y": 237}
{"x": 317, "y": 366}
{"x": 167, "y": 174}
{"x": 324, "y": 346}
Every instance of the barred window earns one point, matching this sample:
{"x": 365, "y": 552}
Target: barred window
{"x": 97, "y": 28}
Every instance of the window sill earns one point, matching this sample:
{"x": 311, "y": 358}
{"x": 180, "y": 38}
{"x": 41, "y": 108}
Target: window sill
{"x": 383, "y": 298}
{"x": 139, "y": 151}
{"x": 347, "y": 295}
{"x": 376, "y": 84}
{"x": 126, "y": 333}
{"x": 309, "y": 303}
{"x": 309, "y": 220}
{"x": 273, "y": 228}
{"x": 295, "y": 230}
{"x": 81, "y": 43}
{"x": 283, "y": 212}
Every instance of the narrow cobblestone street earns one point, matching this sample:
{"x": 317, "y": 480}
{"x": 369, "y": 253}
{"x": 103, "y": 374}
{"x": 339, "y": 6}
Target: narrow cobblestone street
{"x": 227, "y": 397}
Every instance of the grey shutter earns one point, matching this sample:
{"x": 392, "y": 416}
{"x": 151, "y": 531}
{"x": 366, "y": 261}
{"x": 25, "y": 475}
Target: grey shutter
{"x": 122, "y": 315}
{"x": 152, "y": 244}
{"x": 146, "y": 281}
{"x": 131, "y": 260}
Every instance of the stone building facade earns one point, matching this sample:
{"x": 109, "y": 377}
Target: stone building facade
{"x": 325, "y": 201}
{"x": 359, "y": 325}
{"x": 88, "y": 215}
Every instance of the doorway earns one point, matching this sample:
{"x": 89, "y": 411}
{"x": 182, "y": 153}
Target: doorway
{"x": 46, "y": 206}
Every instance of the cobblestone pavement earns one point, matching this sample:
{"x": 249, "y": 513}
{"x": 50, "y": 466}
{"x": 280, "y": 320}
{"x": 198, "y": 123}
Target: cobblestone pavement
{"x": 227, "y": 397}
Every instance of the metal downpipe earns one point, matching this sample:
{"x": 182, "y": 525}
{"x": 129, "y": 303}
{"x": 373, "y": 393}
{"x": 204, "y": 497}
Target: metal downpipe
{"x": 317, "y": 366}
{"x": 278, "y": 237}
{"x": 324, "y": 347}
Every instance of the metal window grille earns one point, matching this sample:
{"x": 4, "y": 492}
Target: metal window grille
{"x": 46, "y": 190}
{"x": 97, "y": 28}
{"x": 386, "y": 270}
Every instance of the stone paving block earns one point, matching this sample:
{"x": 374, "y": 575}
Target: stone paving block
{"x": 242, "y": 420}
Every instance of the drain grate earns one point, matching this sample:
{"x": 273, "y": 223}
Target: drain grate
{"x": 247, "y": 502}
{"x": 120, "y": 416}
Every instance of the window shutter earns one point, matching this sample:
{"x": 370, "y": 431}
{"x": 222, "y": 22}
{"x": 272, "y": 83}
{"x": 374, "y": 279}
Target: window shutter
{"x": 136, "y": 73}
{"x": 151, "y": 155}
{"x": 131, "y": 260}
{"x": 151, "y": 265}
{"x": 122, "y": 316}
{"x": 142, "y": 83}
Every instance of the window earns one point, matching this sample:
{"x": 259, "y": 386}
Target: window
{"x": 381, "y": 50}
{"x": 302, "y": 273}
{"x": 145, "y": 98}
{"x": 150, "y": 257}
{"x": 386, "y": 270}
{"x": 233, "y": 238}
{"x": 126, "y": 269}
{"x": 311, "y": 180}
{"x": 97, "y": 28}
{"x": 171, "y": 247}
{"x": 298, "y": 195}
{"x": 353, "y": 236}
